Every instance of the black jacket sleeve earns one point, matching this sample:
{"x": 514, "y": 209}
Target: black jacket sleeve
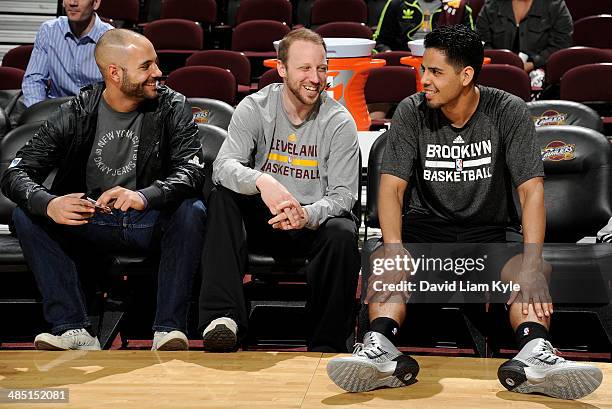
{"x": 22, "y": 181}
{"x": 186, "y": 173}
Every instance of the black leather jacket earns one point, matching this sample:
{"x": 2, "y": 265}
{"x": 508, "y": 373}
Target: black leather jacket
{"x": 169, "y": 162}
{"x": 547, "y": 28}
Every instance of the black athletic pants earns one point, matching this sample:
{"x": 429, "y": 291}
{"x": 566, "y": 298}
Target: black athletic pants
{"x": 238, "y": 223}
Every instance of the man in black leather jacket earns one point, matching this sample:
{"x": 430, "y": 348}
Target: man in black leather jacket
{"x": 546, "y": 28}
{"x": 129, "y": 173}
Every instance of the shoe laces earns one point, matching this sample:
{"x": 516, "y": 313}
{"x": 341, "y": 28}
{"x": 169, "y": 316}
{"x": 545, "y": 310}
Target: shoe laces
{"x": 545, "y": 351}
{"x": 73, "y": 332}
{"x": 370, "y": 348}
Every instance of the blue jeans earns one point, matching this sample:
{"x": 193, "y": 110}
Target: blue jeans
{"x": 52, "y": 252}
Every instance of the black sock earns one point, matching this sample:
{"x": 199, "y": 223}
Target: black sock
{"x": 528, "y": 331}
{"x": 386, "y": 326}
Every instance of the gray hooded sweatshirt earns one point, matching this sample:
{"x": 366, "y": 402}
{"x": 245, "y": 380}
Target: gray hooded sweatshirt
{"x": 317, "y": 161}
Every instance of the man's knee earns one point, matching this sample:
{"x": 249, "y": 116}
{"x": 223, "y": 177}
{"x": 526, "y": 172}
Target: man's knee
{"x": 340, "y": 230}
{"x": 21, "y": 220}
{"x": 191, "y": 212}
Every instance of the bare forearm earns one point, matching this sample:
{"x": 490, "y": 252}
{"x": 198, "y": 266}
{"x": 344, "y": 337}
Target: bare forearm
{"x": 390, "y": 201}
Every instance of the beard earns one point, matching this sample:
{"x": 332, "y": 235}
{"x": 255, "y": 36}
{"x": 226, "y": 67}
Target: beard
{"x": 134, "y": 89}
{"x": 295, "y": 90}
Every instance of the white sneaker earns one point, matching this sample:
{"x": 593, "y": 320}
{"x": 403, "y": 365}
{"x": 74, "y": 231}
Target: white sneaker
{"x": 538, "y": 368}
{"x": 169, "y": 341}
{"x": 375, "y": 363}
{"x": 71, "y": 339}
{"x": 220, "y": 335}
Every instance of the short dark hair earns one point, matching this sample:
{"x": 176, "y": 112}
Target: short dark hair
{"x": 303, "y": 34}
{"x": 461, "y": 46}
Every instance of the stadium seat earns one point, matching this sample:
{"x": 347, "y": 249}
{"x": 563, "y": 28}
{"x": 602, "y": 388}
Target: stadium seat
{"x": 174, "y": 40}
{"x": 594, "y": 31}
{"x": 123, "y": 10}
{"x": 346, "y": 29}
{"x": 581, "y": 8}
{"x": 204, "y": 82}
{"x": 393, "y": 57}
{"x": 256, "y": 38}
{"x": 11, "y": 78}
{"x": 590, "y": 84}
{"x": 39, "y": 112}
{"x": 277, "y": 10}
{"x": 508, "y": 78}
{"x": 504, "y": 57}
{"x": 235, "y": 61}
{"x": 563, "y": 60}
{"x": 560, "y": 112}
{"x": 578, "y": 177}
{"x": 211, "y": 111}
{"x": 389, "y": 85}
{"x": 269, "y": 77}
{"x": 328, "y": 11}
{"x": 18, "y": 57}
{"x": 202, "y": 11}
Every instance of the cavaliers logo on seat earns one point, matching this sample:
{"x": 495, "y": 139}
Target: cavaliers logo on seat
{"x": 200, "y": 116}
{"x": 557, "y": 151}
{"x": 549, "y": 117}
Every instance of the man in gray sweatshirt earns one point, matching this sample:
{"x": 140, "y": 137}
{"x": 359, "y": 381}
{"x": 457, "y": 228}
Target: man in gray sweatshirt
{"x": 286, "y": 181}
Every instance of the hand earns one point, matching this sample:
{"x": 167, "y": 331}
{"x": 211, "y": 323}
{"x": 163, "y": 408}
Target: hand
{"x": 390, "y": 264}
{"x": 276, "y": 196}
{"x": 528, "y": 66}
{"x": 283, "y": 220}
{"x": 70, "y": 209}
{"x": 124, "y": 199}
{"x": 533, "y": 290}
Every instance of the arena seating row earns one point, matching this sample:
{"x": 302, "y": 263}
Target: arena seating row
{"x": 276, "y": 288}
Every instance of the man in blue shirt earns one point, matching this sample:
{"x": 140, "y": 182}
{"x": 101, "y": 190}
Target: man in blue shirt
{"x": 62, "y": 60}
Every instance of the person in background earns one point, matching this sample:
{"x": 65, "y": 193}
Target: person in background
{"x": 62, "y": 60}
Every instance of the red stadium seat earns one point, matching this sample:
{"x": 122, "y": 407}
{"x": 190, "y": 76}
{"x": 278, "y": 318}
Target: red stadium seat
{"x": 11, "y": 78}
{"x": 256, "y": 38}
{"x": 204, "y": 82}
{"x": 277, "y": 10}
{"x": 504, "y": 57}
{"x": 328, "y": 11}
{"x": 588, "y": 83}
{"x": 348, "y": 29}
{"x": 594, "y": 31}
{"x": 174, "y": 40}
{"x": 269, "y": 77}
{"x": 235, "y": 61}
{"x": 124, "y": 10}
{"x": 389, "y": 85}
{"x": 202, "y": 11}
{"x": 585, "y": 8}
{"x": 508, "y": 78}
{"x": 18, "y": 57}
{"x": 563, "y": 60}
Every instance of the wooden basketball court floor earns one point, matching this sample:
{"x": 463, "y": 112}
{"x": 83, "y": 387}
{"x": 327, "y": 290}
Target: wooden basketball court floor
{"x": 253, "y": 380}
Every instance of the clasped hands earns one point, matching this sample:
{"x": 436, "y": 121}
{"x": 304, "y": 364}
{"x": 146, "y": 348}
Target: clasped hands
{"x": 287, "y": 211}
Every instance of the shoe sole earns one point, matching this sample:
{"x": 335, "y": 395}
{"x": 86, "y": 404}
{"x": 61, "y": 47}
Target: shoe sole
{"x": 46, "y": 346}
{"x": 175, "y": 344}
{"x": 220, "y": 339}
{"x": 565, "y": 383}
{"x": 356, "y": 375}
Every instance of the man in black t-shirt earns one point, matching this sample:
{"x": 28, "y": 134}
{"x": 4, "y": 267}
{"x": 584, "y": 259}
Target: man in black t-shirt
{"x": 129, "y": 176}
{"x": 462, "y": 148}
